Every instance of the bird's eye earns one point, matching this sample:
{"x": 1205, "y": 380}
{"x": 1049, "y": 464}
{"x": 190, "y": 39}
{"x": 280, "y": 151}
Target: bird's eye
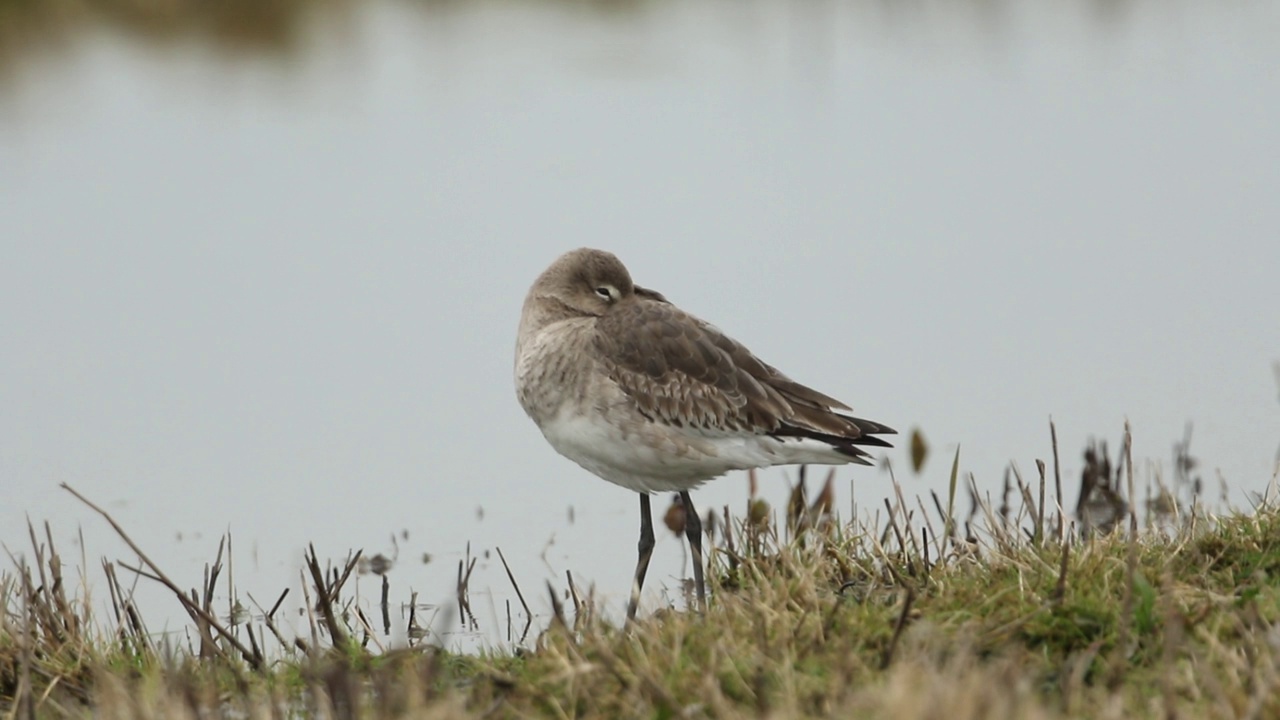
{"x": 604, "y": 293}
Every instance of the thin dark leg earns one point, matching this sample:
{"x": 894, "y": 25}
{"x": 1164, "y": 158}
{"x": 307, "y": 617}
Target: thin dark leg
{"x": 693, "y": 530}
{"x": 646, "y": 552}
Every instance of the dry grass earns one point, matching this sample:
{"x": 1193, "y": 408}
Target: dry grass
{"x": 1008, "y": 612}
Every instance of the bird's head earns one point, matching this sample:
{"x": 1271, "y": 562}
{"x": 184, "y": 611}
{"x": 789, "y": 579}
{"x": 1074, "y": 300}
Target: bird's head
{"x": 584, "y": 282}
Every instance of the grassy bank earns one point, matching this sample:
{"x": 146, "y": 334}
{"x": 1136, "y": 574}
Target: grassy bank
{"x": 1003, "y": 612}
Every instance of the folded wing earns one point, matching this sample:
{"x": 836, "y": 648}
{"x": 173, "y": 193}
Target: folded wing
{"x": 684, "y": 372}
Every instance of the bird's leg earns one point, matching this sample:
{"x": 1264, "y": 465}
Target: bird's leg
{"x": 693, "y": 530}
{"x": 646, "y": 552}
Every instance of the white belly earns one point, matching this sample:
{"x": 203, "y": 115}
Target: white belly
{"x": 648, "y": 457}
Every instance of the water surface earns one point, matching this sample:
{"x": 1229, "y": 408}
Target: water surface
{"x": 271, "y": 286}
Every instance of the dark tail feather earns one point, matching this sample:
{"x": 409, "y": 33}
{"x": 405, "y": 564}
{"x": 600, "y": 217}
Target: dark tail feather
{"x": 857, "y": 455}
{"x": 845, "y": 444}
{"x": 869, "y": 427}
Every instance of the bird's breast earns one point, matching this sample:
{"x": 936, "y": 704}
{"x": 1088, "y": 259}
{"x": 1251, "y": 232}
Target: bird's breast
{"x": 550, "y": 374}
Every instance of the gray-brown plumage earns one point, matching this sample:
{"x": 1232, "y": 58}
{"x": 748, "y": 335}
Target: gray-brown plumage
{"x": 649, "y": 397}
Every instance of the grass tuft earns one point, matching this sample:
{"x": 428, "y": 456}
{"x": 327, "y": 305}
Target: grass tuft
{"x": 1024, "y": 615}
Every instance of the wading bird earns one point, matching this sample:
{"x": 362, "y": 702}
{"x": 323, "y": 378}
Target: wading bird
{"x": 649, "y": 397}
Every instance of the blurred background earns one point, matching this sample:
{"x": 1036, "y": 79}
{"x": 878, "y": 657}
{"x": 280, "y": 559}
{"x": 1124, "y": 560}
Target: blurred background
{"x": 261, "y": 263}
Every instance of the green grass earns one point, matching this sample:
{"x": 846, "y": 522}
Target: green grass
{"x": 1002, "y": 621}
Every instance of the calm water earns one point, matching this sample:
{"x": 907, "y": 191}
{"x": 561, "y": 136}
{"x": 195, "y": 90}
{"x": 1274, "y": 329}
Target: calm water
{"x": 271, "y": 286}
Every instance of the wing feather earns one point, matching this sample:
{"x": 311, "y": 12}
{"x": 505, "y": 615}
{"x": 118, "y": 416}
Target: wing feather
{"x": 680, "y": 370}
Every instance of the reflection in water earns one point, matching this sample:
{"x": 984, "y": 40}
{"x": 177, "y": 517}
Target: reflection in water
{"x": 233, "y": 26}
{"x": 279, "y": 27}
